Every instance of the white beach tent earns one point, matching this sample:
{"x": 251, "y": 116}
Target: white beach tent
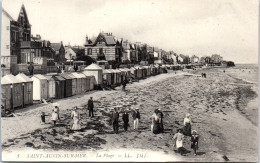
{"x": 40, "y": 87}
{"x": 96, "y": 71}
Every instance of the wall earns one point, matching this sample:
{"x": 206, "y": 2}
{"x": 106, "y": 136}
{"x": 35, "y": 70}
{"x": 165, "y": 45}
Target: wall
{"x": 109, "y": 52}
{"x": 5, "y": 33}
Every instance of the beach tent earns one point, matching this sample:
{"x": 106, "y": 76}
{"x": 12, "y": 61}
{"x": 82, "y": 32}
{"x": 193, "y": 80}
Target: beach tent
{"x": 59, "y": 86}
{"x": 6, "y": 88}
{"x": 17, "y": 90}
{"x": 27, "y": 88}
{"x": 107, "y": 77}
{"x": 74, "y": 84}
{"x": 51, "y": 87}
{"x": 123, "y": 74}
{"x": 133, "y": 72}
{"x": 90, "y": 80}
{"x": 80, "y": 84}
{"x": 96, "y": 71}
{"x": 68, "y": 85}
{"x": 118, "y": 76}
{"x": 139, "y": 72}
{"x": 40, "y": 87}
{"x": 148, "y": 70}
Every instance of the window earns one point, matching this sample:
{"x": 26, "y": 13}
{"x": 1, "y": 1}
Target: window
{"x": 7, "y": 27}
{"x": 89, "y": 51}
{"x": 7, "y": 46}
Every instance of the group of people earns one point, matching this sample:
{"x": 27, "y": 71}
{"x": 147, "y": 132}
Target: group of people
{"x": 186, "y": 131}
{"x": 125, "y": 117}
{"x": 156, "y": 127}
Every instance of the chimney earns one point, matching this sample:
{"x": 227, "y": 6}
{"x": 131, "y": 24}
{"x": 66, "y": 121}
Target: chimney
{"x": 61, "y": 43}
{"x": 86, "y": 38}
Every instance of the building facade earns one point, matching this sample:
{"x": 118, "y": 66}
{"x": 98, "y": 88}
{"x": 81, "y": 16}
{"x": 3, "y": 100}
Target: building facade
{"x": 103, "y": 47}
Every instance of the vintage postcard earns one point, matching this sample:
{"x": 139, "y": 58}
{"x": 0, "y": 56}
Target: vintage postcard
{"x": 119, "y": 80}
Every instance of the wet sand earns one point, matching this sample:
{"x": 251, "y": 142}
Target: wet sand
{"x": 219, "y": 105}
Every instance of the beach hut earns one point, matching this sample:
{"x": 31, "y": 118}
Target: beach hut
{"x": 133, "y": 72}
{"x": 88, "y": 80}
{"x": 80, "y": 84}
{"x": 59, "y": 86}
{"x": 68, "y": 85}
{"x": 16, "y": 90}
{"x": 107, "y": 77}
{"x": 96, "y": 71}
{"x": 74, "y": 84}
{"x": 148, "y": 70}
{"x": 6, "y": 97}
{"x": 117, "y": 76}
{"x": 139, "y": 72}
{"x": 123, "y": 74}
{"x": 51, "y": 87}
{"x": 27, "y": 88}
{"x": 40, "y": 87}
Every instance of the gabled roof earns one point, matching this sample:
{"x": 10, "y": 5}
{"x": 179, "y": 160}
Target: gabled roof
{"x": 39, "y": 76}
{"x": 109, "y": 39}
{"x": 12, "y": 79}
{"x": 93, "y": 66}
{"x": 56, "y": 46}
{"x": 70, "y": 51}
{"x": 25, "y": 15}
{"x": 6, "y": 14}
{"x": 23, "y": 77}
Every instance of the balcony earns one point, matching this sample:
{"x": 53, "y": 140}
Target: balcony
{"x": 25, "y": 44}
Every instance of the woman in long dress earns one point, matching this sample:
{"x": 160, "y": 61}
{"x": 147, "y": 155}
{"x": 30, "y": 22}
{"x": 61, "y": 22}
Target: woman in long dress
{"x": 187, "y": 125}
{"x": 76, "y": 119}
{"x": 156, "y": 122}
{"x": 179, "y": 141}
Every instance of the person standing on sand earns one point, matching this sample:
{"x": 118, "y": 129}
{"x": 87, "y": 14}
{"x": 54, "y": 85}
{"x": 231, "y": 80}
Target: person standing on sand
{"x": 54, "y": 116}
{"x": 91, "y": 107}
{"x": 136, "y": 117}
{"x": 125, "y": 118}
{"x": 155, "y": 122}
{"x": 178, "y": 138}
{"x": 187, "y": 125}
{"x": 194, "y": 141}
{"x": 161, "y": 120}
{"x": 43, "y": 118}
{"x": 115, "y": 119}
{"x": 124, "y": 84}
{"x": 75, "y": 115}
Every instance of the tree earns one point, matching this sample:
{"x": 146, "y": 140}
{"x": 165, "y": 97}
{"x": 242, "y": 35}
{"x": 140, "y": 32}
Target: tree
{"x": 81, "y": 57}
{"x": 230, "y": 64}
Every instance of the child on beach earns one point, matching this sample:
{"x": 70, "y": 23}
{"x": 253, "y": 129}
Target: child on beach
{"x": 178, "y": 138}
{"x": 43, "y": 118}
{"x": 194, "y": 141}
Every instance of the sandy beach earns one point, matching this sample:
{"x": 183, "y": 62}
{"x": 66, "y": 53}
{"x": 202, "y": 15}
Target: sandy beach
{"x": 224, "y": 109}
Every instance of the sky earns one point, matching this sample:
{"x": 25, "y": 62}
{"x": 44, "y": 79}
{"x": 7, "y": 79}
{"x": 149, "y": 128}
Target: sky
{"x": 189, "y": 27}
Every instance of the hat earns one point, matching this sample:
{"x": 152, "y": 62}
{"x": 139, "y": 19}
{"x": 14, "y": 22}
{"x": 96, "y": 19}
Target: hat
{"x": 194, "y": 131}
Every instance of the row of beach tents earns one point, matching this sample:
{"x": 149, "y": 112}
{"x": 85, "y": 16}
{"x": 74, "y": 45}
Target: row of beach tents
{"x": 21, "y": 90}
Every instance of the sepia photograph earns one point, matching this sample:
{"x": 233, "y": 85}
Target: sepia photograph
{"x": 129, "y": 81}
